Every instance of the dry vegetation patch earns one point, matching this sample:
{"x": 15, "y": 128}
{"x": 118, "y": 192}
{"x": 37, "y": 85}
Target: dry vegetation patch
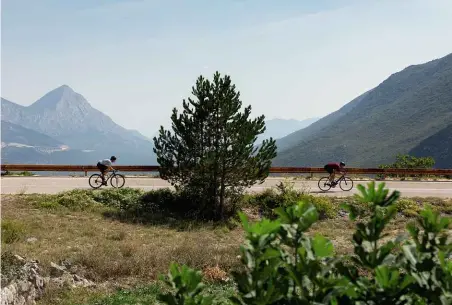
{"x": 124, "y": 254}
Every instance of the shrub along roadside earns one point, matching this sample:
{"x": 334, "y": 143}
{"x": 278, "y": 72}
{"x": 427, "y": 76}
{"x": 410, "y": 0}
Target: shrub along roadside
{"x": 283, "y": 265}
{"x": 137, "y": 205}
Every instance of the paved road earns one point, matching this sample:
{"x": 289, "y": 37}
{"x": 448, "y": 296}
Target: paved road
{"x": 52, "y": 185}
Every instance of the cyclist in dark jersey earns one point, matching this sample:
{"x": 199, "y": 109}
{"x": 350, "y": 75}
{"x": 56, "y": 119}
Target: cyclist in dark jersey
{"x": 332, "y": 168}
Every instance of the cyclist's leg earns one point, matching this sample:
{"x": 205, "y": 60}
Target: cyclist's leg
{"x": 333, "y": 174}
{"x": 329, "y": 171}
{"x": 102, "y": 169}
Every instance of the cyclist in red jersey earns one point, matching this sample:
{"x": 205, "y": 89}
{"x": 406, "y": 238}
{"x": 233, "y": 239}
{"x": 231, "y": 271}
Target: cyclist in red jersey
{"x": 332, "y": 168}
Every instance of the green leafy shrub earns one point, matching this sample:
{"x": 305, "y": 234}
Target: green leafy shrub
{"x": 123, "y": 198}
{"x": 266, "y": 201}
{"x": 75, "y": 200}
{"x": 12, "y": 231}
{"x": 176, "y": 204}
{"x": 285, "y": 195}
{"x": 283, "y": 265}
{"x": 160, "y": 203}
{"x": 409, "y": 162}
{"x": 408, "y": 207}
{"x": 324, "y": 206}
{"x": 11, "y": 267}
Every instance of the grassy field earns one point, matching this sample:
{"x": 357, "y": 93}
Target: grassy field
{"x": 125, "y": 255}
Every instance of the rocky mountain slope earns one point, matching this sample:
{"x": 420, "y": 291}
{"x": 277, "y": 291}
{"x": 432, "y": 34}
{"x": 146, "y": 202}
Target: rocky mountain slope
{"x": 395, "y": 117}
{"x": 438, "y": 146}
{"x": 67, "y": 117}
{"x": 16, "y": 134}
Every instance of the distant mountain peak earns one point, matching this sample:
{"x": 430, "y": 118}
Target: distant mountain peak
{"x": 63, "y": 96}
{"x": 64, "y": 88}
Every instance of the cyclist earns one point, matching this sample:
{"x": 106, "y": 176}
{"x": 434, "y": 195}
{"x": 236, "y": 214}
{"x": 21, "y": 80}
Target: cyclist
{"x": 332, "y": 168}
{"x": 105, "y": 165}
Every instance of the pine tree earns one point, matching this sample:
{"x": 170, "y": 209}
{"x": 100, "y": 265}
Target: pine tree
{"x": 211, "y": 151}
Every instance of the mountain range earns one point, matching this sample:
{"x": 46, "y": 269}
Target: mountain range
{"x": 409, "y": 112}
{"x": 62, "y": 127}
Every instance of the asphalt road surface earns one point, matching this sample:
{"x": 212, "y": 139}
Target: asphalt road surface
{"x": 52, "y": 185}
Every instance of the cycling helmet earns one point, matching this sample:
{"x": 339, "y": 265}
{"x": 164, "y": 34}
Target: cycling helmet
{"x": 113, "y": 158}
{"x": 342, "y": 163}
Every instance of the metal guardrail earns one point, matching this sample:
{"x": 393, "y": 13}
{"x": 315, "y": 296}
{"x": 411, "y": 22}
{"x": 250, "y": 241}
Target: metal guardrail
{"x": 281, "y": 170}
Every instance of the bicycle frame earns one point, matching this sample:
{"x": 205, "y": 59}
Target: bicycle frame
{"x": 109, "y": 174}
{"x": 340, "y": 178}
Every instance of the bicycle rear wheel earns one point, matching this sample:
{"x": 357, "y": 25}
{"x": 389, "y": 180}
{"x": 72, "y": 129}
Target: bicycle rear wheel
{"x": 346, "y": 184}
{"x": 323, "y": 184}
{"x": 95, "y": 181}
{"x": 117, "y": 181}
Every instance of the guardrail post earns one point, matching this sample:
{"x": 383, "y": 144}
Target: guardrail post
{"x": 312, "y": 175}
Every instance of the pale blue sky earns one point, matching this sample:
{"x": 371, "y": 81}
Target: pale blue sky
{"x": 136, "y": 59}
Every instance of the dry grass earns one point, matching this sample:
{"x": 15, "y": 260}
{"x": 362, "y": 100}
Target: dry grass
{"x": 123, "y": 255}
{"x": 106, "y": 249}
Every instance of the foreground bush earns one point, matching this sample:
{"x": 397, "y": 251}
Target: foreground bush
{"x": 283, "y": 265}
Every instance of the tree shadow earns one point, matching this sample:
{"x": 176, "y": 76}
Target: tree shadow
{"x": 168, "y": 221}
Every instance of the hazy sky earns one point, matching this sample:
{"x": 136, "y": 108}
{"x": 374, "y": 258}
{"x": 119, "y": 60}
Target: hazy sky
{"x": 136, "y": 60}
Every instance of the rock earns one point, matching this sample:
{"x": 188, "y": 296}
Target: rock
{"x": 7, "y": 295}
{"x": 23, "y": 286}
{"x": 32, "y": 240}
{"x": 29, "y": 285}
{"x": 39, "y": 282}
{"x": 19, "y": 258}
{"x": 30, "y": 300}
{"x": 56, "y": 270}
{"x": 20, "y": 300}
{"x": 58, "y": 281}
{"x": 13, "y": 288}
{"x": 66, "y": 263}
{"x": 343, "y": 213}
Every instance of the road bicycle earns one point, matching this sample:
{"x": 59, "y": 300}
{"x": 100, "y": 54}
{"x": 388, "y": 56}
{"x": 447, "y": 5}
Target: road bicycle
{"x": 345, "y": 183}
{"x": 116, "y": 180}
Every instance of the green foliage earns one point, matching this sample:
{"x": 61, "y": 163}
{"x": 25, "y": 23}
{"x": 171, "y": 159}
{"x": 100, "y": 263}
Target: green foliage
{"x": 285, "y": 195}
{"x": 12, "y": 231}
{"x": 409, "y": 162}
{"x": 408, "y": 207}
{"x": 211, "y": 150}
{"x": 121, "y": 198}
{"x": 148, "y": 294}
{"x": 188, "y": 286}
{"x": 283, "y": 265}
{"x": 75, "y": 200}
{"x": 324, "y": 205}
{"x": 11, "y": 267}
{"x": 427, "y": 257}
{"x": 23, "y": 173}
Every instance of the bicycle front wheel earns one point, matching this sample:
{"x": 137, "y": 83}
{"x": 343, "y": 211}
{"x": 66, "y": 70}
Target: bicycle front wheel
{"x": 95, "y": 181}
{"x": 324, "y": 184}
{"x": 117, "y": 181}
{"x": 346, "y": 184}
